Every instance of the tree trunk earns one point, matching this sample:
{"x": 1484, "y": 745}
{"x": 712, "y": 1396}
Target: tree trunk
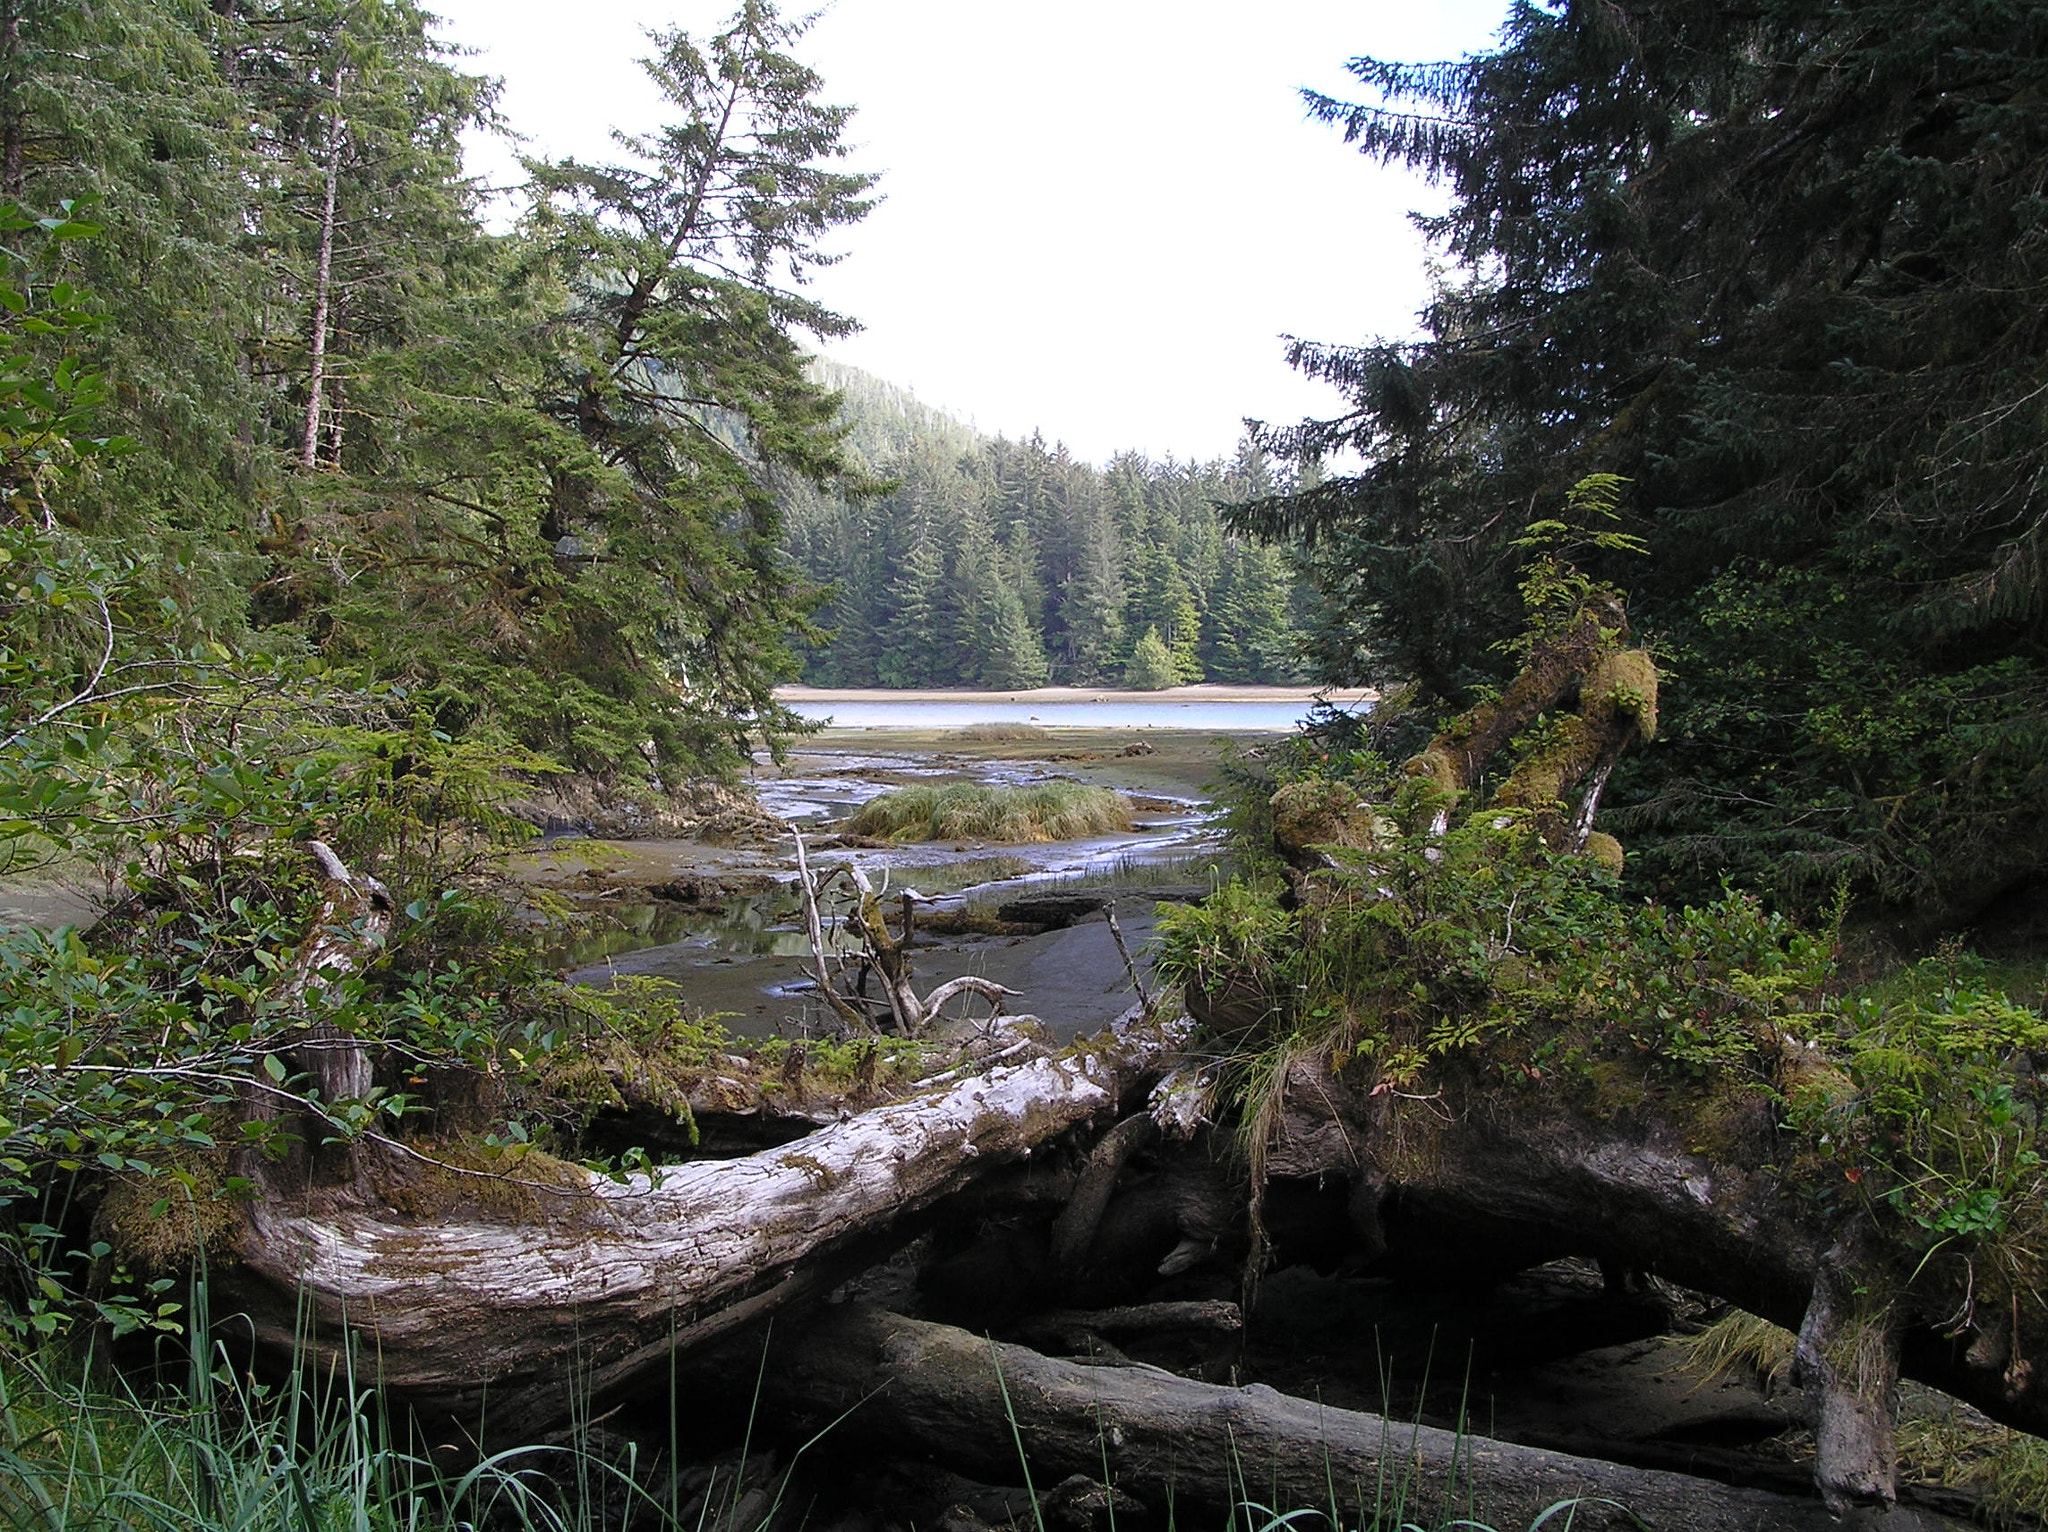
{"x": 323, "y": 288}
{"x": 923, "y": 1389}
{"x": 536, "y": 1298}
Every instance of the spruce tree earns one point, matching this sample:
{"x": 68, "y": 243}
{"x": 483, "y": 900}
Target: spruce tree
{"x": 1780, "y": 267}
{"x": 677, "y": 378}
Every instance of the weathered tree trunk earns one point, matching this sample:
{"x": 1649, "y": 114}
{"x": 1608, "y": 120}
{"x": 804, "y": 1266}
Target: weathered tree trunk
{"x": 323, "y": 287}
{"x": 1527, "y": 1178}
{"x": 546, "y": 1296}
{"x": 934, "y": 1390}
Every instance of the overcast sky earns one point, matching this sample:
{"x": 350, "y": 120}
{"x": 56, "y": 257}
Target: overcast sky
{"x": 1101, "y": 215}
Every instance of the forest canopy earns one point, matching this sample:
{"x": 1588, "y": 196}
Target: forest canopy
{"x": 1781, "y": 267}
{"x": 526, "y": 477}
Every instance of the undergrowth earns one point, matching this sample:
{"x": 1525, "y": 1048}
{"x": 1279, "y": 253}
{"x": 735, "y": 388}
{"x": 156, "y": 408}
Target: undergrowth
{"x": 1477, "y": 959}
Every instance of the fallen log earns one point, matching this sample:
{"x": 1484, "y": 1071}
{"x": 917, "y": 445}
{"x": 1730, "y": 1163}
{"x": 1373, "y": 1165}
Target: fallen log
{"x": 1540, "y": 1180}
{"x": 537, "y": 1298}
{"x": 1172, "y": 1443}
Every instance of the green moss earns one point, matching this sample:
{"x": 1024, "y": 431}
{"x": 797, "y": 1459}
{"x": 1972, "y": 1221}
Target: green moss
{"x": 1626, "y": 683}
{"x": 189, "y": 1209}
{"x": 1605, "y": 850}
{"x": 515, "y": 1182}
{"x": 1438, "y": 766}
{"x": 1317, "y": 811}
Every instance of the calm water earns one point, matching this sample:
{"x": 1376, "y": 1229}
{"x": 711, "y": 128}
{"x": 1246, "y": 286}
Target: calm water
{"x": 1220, "y": 717}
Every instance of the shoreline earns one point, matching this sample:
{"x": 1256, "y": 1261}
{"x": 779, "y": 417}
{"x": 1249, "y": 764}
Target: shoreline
{"x": 1347, "y": 696}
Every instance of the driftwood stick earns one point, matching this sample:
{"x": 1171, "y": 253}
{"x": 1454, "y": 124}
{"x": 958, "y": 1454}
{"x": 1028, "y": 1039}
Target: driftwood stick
{"x": 967, "y": 984}
{"x": 840, "y": 1006}
{"x": 1116, "y": 933}
{"x": 886, "y": 956}
{"x": 933, "y": 1390}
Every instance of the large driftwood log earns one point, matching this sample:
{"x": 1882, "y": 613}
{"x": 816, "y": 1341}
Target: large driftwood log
{"x": 1525, "y": 1178}
{"x": 940, "y": 1392}
{"x": 538, "y": 1298}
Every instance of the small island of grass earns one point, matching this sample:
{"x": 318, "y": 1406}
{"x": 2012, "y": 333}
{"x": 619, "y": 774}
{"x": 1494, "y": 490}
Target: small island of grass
{"x": 1003, "y": 815}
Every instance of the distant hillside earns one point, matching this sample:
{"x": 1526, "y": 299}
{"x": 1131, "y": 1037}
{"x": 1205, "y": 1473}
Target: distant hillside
{"x": 889, "y": 422}
{"x": 1009, "y": 564}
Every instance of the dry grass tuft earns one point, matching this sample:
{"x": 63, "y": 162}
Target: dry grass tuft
{"x": 996, "y": 733}
{"x": 1740, "y": 1340}
{"x": 1050, "y": 811}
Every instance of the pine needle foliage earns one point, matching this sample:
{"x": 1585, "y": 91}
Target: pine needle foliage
{"x": 1781, "y": 267}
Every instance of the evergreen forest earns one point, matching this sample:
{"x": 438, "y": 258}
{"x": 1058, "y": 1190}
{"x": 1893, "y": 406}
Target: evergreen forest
{"x": 522, "y": 478}
{"x": 1662, "y": 957}
{"x": 1008, "y": 564}
{"x": 1780, "y": 268}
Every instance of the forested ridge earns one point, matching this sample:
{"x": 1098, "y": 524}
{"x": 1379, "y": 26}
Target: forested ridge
{"x": 1010, "y": 564}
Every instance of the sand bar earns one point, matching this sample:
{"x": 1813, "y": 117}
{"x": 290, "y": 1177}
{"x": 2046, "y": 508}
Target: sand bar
{"x": 1345, "y": 696}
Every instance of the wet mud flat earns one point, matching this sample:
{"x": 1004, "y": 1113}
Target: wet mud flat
{"x": 724, "y": 923}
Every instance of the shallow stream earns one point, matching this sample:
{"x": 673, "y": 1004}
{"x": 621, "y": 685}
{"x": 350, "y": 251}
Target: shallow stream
{"x": 745, "y": 956}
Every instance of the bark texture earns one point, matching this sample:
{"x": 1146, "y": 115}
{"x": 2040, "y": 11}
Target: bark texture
{"x": 537, "y": 1297}
{"x": 1200, "y": 1447}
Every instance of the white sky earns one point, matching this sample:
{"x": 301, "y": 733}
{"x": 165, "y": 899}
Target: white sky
{"x": 1100, "y": 215}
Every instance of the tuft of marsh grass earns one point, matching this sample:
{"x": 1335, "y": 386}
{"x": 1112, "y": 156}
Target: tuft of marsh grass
{"x": 996, "y": 732}
{"x": 1740, "y": 1341}
{"x": 1046, "y": 811}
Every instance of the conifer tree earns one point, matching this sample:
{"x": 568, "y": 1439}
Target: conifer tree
{"x": 1780, "y": 267}
{"x": 912, "y": 649}
{"x": 677, "y": 377}
{"x": 1151, "y": 666}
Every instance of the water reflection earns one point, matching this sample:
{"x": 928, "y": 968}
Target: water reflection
{"x": 822, "y": 786}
